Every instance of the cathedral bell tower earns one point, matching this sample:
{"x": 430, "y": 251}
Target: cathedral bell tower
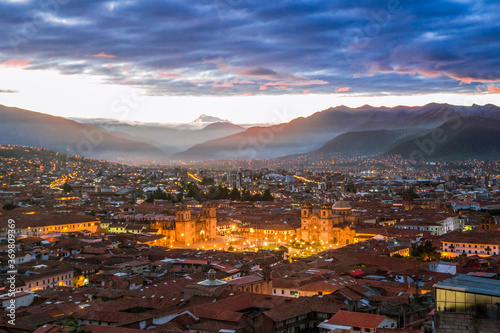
{"x": 306, "y": 210}
{"x": 209, "y": 213}
{"x": 183, "y": 225}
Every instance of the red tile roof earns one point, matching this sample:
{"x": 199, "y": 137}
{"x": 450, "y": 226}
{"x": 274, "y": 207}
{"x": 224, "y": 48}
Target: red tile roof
{"x": 111, "y": 329}
{"x": 358, "y": 319}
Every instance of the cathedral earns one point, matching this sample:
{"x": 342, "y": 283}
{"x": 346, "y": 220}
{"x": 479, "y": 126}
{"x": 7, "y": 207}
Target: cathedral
{"x": 199, "y": 229}
{"x": 332, "y": 224}
{"x": 188, "y": 229}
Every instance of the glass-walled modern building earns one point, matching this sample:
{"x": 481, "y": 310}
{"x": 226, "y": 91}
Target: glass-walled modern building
{"x": 469, "y": 294}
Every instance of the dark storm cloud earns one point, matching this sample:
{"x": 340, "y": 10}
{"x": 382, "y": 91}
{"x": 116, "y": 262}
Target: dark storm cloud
{"x": 260, "y": 47}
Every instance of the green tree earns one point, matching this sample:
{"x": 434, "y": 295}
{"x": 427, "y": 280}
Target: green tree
{"x": 159, "y": 194}
{"x": 283, "y": 248}
{"x": 212, "y": 192}
{"x": 223, "y": 193}
{"x": 235, "y": 194}
{"x": 8, "y": 206}
{"x": 192, "y": 190}
{"x": 67, "y": 188}
{"x": 246, "y": 196}
{"x": 425, "y": 252}
{"x": 207, "y": 181}
{"x": 256, "y": 197}
{"x": 267, "y": 196}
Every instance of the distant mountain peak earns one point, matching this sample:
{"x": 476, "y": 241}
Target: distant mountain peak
{"x": 209, "y": 119}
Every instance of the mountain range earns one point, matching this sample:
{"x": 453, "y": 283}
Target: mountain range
{"x": 365, "y": 130}
{"x": 171, "y": 138}
{"x": 433, "y": 131}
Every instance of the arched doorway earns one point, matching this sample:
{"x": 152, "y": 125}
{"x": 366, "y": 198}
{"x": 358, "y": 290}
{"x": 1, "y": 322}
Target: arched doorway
{"x": 334, "y": 240}
{"x": 202, "y": 235}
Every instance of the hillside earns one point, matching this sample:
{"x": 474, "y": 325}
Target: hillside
{"x": 363, "y": 143}
{"x": 27, "y": 128}
{"x": 470, "y": 137}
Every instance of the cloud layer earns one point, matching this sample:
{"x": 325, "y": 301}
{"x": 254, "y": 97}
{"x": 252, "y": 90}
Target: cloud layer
{"x": 235, "y": 47}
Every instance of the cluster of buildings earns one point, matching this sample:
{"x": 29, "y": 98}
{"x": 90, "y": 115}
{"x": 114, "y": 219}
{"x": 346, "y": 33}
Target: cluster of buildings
{"x": 125, "y": 249}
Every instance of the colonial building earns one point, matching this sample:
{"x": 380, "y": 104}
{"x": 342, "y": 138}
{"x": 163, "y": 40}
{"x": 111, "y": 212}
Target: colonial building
{"x": 332, "y": 224}
{"x": 438, "y": 224}
{"x": 481, "y": 243}
{"x": 191, "y": 230}
{"x": 39, "y": 225}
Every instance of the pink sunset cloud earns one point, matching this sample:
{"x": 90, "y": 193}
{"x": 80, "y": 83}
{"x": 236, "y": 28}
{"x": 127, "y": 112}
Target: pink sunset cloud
{"x": 104, "y": 55}
{"x": 494, "y": 90}
{"x": 377, "y": 68}
{"x": 169, "y": 75}
{"x": 342, "y": 89}
{"x": 16, "y": 63}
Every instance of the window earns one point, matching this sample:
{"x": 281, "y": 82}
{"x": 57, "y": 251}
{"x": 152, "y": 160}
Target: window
{"x": 354, "y": 328}
{"x": 274, "y": 291}
{"x": 282, "y": 292}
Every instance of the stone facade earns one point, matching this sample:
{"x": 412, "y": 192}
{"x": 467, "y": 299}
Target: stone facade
{"x": 329, "y": 225}
{"x": 449, "y": 322}
{"x": 190, "y": 230}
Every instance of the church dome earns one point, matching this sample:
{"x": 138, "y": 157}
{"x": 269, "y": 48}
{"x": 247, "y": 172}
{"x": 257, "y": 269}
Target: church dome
{"x": 341, "y": 204}
{"x": 211, "y": 281}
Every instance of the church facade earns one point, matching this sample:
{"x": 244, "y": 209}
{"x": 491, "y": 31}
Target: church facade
{"x": 189, "y": 229}
{"x": 331, "y": 224}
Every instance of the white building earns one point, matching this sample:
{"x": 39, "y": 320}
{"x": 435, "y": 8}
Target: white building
{"x": 439, "y": 224}
{"x": 457, "y": 205}
{"x": 20, "y": 298}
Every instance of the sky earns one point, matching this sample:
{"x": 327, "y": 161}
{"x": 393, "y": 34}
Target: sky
{"x": 245, "y": 61}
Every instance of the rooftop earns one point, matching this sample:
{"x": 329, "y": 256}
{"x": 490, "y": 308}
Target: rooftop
{"x": 471, "y": 284}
